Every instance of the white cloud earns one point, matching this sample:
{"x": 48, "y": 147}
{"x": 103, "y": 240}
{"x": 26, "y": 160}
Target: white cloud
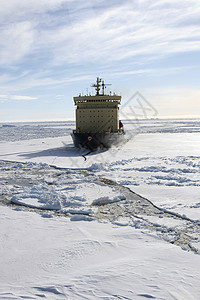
{"x": 60, "y": 96}
{"x": 15, "y": 42}
{"x": 86, "y": 33}
{"x": 42, "y": 79}
{"x": 19, "y": 8}
{"x": 125, "y": 31}
{"x": 16, "y": 97}
{"x": 63, "y": 34}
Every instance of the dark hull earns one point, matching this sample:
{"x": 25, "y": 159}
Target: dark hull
{"x": 93, "y": 141}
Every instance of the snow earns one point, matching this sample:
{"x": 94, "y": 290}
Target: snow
{"x": 122, "y": 224}
{"x": 60, "y": 259}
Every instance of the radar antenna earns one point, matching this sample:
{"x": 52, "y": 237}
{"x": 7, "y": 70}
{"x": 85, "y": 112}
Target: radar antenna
{"x": 104, "y": 86}
{"x": 100, "y": 84}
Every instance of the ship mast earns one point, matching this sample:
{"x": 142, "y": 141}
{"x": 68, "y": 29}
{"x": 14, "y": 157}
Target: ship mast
{"x": 97, "y": 85}
{"x": 100, "y": 84}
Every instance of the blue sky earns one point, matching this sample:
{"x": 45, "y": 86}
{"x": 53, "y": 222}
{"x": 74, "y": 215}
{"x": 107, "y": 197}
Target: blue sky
{"x": 51, "y": 50}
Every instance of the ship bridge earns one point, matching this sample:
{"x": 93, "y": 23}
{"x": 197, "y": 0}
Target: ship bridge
{"x": 99, "y": 98}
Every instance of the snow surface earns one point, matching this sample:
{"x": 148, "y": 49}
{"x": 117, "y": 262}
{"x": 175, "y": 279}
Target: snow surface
{"x": 128, "y": 255}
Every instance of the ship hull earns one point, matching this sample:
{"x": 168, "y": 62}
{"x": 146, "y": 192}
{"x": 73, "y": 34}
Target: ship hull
{"x": 92, "y": 141}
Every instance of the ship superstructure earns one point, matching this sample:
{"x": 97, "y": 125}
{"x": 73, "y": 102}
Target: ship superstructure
{"x": 97, "y": 118}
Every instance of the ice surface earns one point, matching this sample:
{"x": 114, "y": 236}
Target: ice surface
{"x": 55, "y": 258}
{"x": 96, "y": 245}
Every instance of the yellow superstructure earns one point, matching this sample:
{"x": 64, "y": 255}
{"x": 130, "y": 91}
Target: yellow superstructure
{"x": 97, "y": 113}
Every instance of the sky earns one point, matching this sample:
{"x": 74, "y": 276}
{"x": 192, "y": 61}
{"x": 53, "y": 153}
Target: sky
{"x": 52, "y": 50}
